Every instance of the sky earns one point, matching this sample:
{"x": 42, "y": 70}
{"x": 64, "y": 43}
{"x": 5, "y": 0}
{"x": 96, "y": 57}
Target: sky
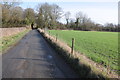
{"x": 119, "y": 13}
{"x": 102, "y": 12}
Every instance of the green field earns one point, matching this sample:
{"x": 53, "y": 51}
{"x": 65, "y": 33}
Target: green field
{"x": 101, "y": 47}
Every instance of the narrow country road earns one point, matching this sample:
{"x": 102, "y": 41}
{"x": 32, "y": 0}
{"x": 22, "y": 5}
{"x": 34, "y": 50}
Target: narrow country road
{"x": 32, "y": 57}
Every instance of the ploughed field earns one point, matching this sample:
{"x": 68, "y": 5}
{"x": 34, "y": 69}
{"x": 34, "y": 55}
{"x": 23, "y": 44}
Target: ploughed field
{"x": 101, "y": 47}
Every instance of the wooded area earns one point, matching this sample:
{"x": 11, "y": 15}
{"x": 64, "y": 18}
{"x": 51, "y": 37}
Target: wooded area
{"x": 48, "y": 16}
{"x": 14, "y": 16}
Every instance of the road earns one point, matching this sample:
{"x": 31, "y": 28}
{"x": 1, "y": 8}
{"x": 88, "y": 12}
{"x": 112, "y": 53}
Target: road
{"x": 32, "y": 57}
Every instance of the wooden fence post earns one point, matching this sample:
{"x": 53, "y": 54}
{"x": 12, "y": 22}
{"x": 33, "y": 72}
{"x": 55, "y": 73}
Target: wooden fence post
{"x": 56, "y": 37}
{"x": 72, "y": 48}
{"x": 108, "y": 65}
{"x": 49, "y": 33}
{"x": 44, "y": 30}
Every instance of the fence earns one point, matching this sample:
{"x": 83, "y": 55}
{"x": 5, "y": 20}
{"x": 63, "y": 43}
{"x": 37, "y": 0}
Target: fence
{"x": 55, "y": 37}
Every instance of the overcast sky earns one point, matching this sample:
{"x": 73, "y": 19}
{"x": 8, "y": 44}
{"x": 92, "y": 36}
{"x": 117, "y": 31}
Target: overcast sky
{"x": 102, "y": 11}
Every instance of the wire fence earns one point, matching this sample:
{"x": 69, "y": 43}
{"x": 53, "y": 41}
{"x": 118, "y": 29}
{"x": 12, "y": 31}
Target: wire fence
{"x": 57, "y": 37}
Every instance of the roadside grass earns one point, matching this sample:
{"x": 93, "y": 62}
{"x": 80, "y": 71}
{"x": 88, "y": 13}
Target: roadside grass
{"x": 6, "y": 42}
{"x": 101, "y": 47}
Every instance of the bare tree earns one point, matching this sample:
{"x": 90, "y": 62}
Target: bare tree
{"x": 56, "y": 11}
{"x": 67, "y": 17}
{"x": 11, "y": 3}
{"x": 83, "y": 21}
{"x": 79, "y": 16}
{"x": 48, "y": 14}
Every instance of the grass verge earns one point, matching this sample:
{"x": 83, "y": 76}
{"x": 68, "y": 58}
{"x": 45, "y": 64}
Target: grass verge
{"x": 6, "y": 42}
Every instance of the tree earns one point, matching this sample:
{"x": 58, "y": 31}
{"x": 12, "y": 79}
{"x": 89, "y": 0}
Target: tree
{"x": 55, "y": 15}
{"x": 79, "y": 17}
{"x": 83, "y": 22}
{"x": 16, "y": 15}
{"x": 44, "y": 14}
{"x": 48, "y": 15}
{"x": 11, "y": 14}
{"x": 29, "y": 16}
{"x": 109, "y": 27}
{"x": 56, "y": 12}
{"x": 5, "y": 14}
{"x": 12, "y": 3}
{"x": 67, "y": 17}
{"x": 72, "y": 23}
{"x": 40, "y": 20}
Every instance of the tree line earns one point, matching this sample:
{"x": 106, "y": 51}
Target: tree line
{"x": 83, "y": 22}
{"x": 48, "y": 16}
{"x": 14, "y": 16}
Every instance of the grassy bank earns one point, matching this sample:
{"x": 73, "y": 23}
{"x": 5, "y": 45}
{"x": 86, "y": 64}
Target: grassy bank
{"x": 101, "y": 47}
{"x": 6, "y": 42}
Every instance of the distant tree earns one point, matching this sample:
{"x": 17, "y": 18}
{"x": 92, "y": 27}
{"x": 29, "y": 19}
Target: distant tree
{"x": 79, "y": 17}
{"x": 29, "y": 16}
{"x": 71, "y": 23}
{"x": 56, "y": 12}
{"x": 16, "y": 15}
{"x": 109, "y": 27}
{"x": 5, "y": 14}
{"x": 117, "y": 28}
{"x": 11, "y": 14}
{"x": 67, "y": 17}
{"x": 83, "y": 22}
{"x": 12, "y": 3}
{"x": 40, "y": 19}
{"x": 48, "y": 15}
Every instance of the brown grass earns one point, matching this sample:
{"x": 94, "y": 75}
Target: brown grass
{"x": 5, "y": 32}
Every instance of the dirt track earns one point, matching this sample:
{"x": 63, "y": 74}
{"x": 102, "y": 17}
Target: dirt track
{"x": 32, "y": 57}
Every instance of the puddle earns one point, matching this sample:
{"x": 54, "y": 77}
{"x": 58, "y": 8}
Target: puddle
{"x": 49, "y": 57}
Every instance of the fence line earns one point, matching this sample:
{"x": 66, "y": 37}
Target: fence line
{"x": 72, "y": 49}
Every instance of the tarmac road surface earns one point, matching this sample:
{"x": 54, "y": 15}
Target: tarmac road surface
{"x": 32, "y": 57}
